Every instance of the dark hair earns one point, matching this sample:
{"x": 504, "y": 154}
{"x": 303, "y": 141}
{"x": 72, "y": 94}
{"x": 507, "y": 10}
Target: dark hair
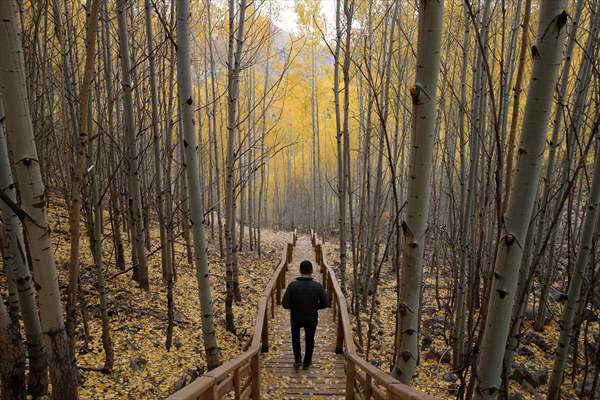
{"x": 306, "y": 267}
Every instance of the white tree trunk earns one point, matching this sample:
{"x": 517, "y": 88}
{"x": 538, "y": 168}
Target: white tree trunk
{"x": 574, "y": 297}
{"x": 186, "y": 102}
{"x": 420, "y": 165}
{"x": 17, "y": 271}
{"x": 33, "y": 197}
{"x": 546, "y": 61}
{"x": 135, "y": 202}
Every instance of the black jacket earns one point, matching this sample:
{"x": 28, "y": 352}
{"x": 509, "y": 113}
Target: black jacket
{"x": 304, "y": 297}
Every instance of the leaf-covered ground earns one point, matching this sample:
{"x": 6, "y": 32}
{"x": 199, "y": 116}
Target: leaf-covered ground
{"x": 143, "y": 368}
{"x": 435, "y": 375}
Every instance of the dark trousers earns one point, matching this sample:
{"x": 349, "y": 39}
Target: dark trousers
{"x": 309, "y": 333}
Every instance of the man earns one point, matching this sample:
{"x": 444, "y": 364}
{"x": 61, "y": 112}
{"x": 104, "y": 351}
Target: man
{"x": 304, "y": 298}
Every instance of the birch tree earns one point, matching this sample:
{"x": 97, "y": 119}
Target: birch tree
{"x": 546, "y": 55}
{"x": 21, "y": 143}
{"x": 12, "y": 358}
{"x": 186, "y": 102}
{"x": 77, "y": 177}
{"x": 423, "y": 95}
{"x": 233, "y": 90}
{"x": 574, "y": 297}
{"x": 132, "y": 158}
{"x": 17, "y": 268}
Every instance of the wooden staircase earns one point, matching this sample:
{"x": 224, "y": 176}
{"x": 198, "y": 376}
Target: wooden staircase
{"x": 264, "y": 370}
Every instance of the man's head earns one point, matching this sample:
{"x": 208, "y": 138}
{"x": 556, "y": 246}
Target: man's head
{"x": 306, "y": 268}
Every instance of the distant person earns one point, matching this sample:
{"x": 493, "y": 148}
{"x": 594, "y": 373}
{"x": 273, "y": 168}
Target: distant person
{"x": 304, "y": 298}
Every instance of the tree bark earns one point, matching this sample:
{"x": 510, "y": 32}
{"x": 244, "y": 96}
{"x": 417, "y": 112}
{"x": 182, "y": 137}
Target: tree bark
{"x": 233, "y": 89}
{"x": 33, "y": 195}
{"x": 546, "y": 61}
{"x": 132, "y": 161}
{"x": 186, "y": 102}
{"x": 77, "y": 176}
{"x": 17, "y": 271}
{"x": 420, "y": 165}
{"x": 12, "y": 358}
{"x": 96, "y": 245}
{"x": 568, "y": 322}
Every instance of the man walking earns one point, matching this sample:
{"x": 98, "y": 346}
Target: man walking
{"x": 304, "y": 298}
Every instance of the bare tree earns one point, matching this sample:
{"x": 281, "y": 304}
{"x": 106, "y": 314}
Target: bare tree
{"x": 423, "y": 96}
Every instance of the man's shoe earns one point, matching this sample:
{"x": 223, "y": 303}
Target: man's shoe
{"x": 305, "y": 366}
{"x": 297, "y": 365}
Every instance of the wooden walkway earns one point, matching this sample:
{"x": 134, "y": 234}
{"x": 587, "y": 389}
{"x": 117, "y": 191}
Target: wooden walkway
{"x": 265, "y": 369}
{"x": 326, "y": 376}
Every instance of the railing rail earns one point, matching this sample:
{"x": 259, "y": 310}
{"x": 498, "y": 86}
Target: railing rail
{"x": 241, "y": 375}
{"x": 363, "y": 380}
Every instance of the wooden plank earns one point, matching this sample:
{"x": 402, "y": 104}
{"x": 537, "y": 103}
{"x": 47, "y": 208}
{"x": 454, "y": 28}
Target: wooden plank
{"x": 246, "y": 393}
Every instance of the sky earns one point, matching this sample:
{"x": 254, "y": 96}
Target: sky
{"x": 287, "y": 18}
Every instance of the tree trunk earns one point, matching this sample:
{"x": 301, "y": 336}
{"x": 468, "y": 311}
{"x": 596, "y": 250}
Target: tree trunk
{"x": 12, "y": 358}
{"x": 158, "y": 180}
{"x": 574, "y": 298}
{"x": 186, "y": 102}
{"x": 523, "y": 286}
{"x": 458, "y": 328}
{"x": 132, "y": 161}
{"x": 424, "y": 110}
{"x": 213, "y": 125}
{"x": 572, "y": 138}
{"x": 115, "y": 210}
{"x": 96, "y": 241}
{"x": 546, "y": 61}
{"x": 17, "y": 271}
{"x": 233, "y": 85}
{"x": 32, "y": 192}
{"x": 77, "y": 176}
{"x": 341, "y": 182}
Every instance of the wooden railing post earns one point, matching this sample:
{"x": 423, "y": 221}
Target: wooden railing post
{"x": 350, "y": 371}
{"x": 272, "y": 304}
{"x": 368, "y": 386}
{"x": 255, "y": 376}
{"x": 236, "y": 383}
{"x": 290, "y": 248}
{"x": 339, "y": 341}
{"x": 318, "y": 255}
{"x": 278, "y": 288}
{"x": 265, "y": 333}
{"x": 334, "y": 304}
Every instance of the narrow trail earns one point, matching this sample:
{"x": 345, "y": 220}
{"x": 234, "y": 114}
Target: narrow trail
{"x": 326, "y": 376}
{"x": 265, "y": 370}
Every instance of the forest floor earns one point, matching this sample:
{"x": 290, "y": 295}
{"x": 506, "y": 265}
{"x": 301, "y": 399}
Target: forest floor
{"x": 435, "y": 375}
{"x": 143, "y": 368}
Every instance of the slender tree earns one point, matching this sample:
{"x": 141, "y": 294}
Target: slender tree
{"x": 546, "y": 61}
{"x": 77, "y": 176}
{"x": 186, "y": 102}
{"x": 21, "y": 143}
{"x": 17, "y": 271}
{"x": 132, "y": 159}
{"x": 423, "y": 96}
{"x": 233, "y": 89}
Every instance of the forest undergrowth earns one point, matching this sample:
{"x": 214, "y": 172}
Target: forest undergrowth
{"x": 143, "y": 368}
{"x": 435, "y": 375}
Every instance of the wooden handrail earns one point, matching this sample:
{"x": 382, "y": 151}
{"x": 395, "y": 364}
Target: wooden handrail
{"x": 363, "y": 379}
{"x": 241, "y": 375}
